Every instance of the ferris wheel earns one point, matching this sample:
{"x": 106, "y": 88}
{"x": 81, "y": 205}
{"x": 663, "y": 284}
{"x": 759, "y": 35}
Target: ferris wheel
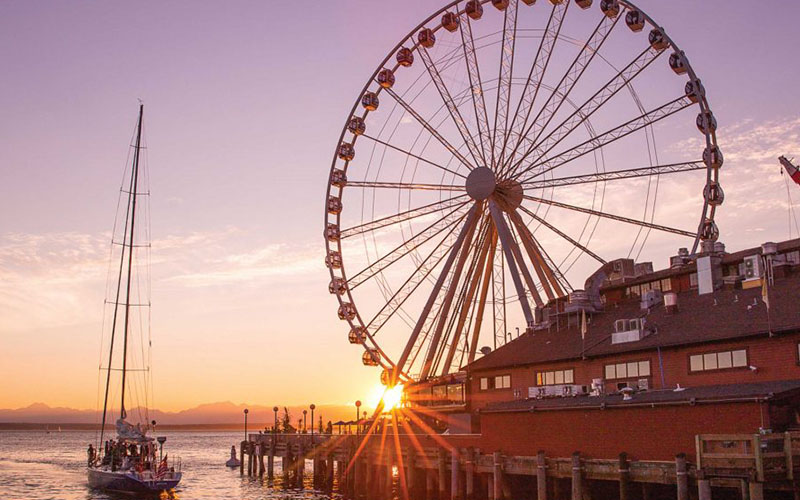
{"x": 500, "y": 152}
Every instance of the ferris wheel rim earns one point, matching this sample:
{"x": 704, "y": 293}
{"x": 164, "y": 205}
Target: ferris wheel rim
{"x": 384, "y": 360}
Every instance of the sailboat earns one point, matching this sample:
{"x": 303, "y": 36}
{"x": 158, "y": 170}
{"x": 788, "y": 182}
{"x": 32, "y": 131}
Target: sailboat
{"x": 131, "y": 461}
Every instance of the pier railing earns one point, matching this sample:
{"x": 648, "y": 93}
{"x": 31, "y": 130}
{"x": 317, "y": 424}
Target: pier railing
{"x": 762, "y": 457}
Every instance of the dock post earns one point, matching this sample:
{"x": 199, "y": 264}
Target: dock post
{"x": 429, "y": 480}
{"x": 455, "y": 475}
{"x": 469, "y": 472}
{"x": 682, "y": 477}
{"x": 301, "y": 467}
{"x": 625, "y": 477}
{"x": 577, "y": 477}
{"x": 249, "y": 459}
{"x": 497, "y": 476}
{"x": 271, "y": 462}
{"x": 411, "y": 475}
{"x": 260, "y": 460}
{"x": 541, "y": 476}
{"x": 329, "y": 470}
{"x": 756, "y": 490}
{"x": 704, "y": 489}
{"x": 241, "y": 457}
{"x": 442, "y": 475}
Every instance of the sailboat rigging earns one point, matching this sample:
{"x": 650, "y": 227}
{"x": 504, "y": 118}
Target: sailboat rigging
{"x": 130, "y": 462}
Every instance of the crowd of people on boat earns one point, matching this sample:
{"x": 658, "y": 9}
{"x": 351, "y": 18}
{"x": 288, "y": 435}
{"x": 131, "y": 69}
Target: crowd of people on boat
{"x": 122, "y": 455}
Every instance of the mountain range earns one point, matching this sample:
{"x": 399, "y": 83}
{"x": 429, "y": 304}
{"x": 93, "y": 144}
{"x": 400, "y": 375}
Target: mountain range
{"x": 224, "y": 413}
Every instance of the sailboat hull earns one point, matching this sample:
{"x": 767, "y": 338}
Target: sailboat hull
{"x": 125, "y": 481}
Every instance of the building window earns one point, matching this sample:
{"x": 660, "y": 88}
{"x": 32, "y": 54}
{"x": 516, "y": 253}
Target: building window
{"x": 693, "y": 280}
{"x": 629, "y": 369}
{"x": 484, "y": 383}
{"x": 502, "y": 382}
{"x": 718, "y": 360}
{"x": 455, "y": 393}
{"x": 627, "y": 325}
{"x": 666, "y": 285}
{"x": 555, "y": 377}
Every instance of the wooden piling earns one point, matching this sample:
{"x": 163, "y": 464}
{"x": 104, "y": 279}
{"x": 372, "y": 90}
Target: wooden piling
{"x": 682, "y": 478}
{"x": 429, "y": 484}
{"x": 300, "y": 468}
{"x": 455, "y": 475}
{"x": 756, "y": 490}
{"x": 442, "y": 475}
{"x": 624, "y": 476}
{"x": 497, "y": 492}
{"x": 261, "y": 467}
{"x": 469, "y": 472}
{"x": 241, "y": 457}
{"x": 704, "y": 489}
{"x": 577, "y": 477}
{"x": 271, "y": 462}
{"x": 411, "y": 474}
{"x": 329, "y": 470}
{"x": 541, "y": 476}
{"x": 249, "y": 459}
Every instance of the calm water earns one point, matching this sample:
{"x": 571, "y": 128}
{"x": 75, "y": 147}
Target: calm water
{"x": 39, "y": 466}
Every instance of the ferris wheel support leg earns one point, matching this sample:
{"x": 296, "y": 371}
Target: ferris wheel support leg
{"x": 444, "y": 312}
{"x": 473, "y": 286}
{"x": 546, "y": 274}
{"x": 508, "y": 248}
{"x": 471, "y": 218}
{"x": 487, "y": 280}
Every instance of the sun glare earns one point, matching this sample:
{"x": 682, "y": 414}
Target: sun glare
{"x": 392, "y": 397}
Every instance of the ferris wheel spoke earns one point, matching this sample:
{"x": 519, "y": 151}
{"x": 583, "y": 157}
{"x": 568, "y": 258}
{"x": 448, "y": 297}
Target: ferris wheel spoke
{"x": 412, "y": 155}
{"x": 477, "y": 265}
{"x": 504, "y": 80}
{"x": 383, "y": 222}
{"x": 405, "y": 185}
{"x": 672, "y": 168}
{"x": 561, "y": 92}
{"x": 476, "y": 88}
{"x": 601, "y": 97}
{"x": 619, "y": 218}
{"x": 563, "y": 235}
{"x": 605, "y": 138}
{"x": 411, "y": 284}
{"x": 452, "y": 108}
{"x": 512, "y": 255}
{"x": 536, "y": 74}
{"x": 467, "y": 228}
{"x": 407, "y": 247}
{"x": 444, "y": 311}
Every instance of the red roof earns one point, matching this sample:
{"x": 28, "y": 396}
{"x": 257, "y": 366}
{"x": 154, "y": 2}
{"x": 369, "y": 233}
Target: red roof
{"x": 722, "y": 315}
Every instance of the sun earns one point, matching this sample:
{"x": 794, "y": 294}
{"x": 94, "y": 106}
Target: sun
{"x": 392, "y": 397}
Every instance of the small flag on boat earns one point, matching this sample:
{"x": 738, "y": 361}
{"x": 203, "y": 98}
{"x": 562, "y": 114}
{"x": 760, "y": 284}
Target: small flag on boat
{"x": 790, "y": 168}
{"x": 162, "y": 467}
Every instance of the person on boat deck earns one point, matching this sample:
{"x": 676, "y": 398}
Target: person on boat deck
{"x": 90, "y": 452}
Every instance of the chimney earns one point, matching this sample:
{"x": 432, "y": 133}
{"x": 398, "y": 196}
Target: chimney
{"x": 671, "y": 302}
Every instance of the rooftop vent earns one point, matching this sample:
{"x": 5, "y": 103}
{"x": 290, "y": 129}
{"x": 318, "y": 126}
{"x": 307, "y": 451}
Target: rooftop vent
{"x": 671, "y": 302}
{"x": 681, "y": 259}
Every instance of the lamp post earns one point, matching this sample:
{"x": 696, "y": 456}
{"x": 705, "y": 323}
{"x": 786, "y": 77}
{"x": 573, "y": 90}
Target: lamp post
{"x": 275, "y": 426}
{"x": 358, "y": 405}
{"x": 305, "y": 426}
{"x": 246, "y": 411}
{"x": 313, "y": 407}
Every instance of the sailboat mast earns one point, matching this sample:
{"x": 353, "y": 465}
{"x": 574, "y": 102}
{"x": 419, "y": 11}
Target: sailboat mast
{"x": 131, "y": 199}
{"x": 134, "y": 195}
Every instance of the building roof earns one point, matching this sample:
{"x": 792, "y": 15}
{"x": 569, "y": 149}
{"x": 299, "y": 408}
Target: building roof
{"x": 759, "y": 391}
{"x": 722, "y": 315}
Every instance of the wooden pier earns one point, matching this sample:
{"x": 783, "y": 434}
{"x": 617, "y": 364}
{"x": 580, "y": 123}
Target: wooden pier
{"x": 424, "y": 467}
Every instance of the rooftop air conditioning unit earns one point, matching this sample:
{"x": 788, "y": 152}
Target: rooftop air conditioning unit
{"x": 752, "y": 267}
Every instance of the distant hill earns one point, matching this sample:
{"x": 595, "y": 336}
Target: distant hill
{"x": 223, "y": 413}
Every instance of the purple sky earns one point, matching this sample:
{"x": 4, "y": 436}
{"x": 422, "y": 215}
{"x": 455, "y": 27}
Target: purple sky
{"x": 244, "y": 105}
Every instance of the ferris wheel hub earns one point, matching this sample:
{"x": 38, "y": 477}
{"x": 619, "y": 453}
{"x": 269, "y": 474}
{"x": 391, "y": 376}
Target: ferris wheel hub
{"x": 481, "y": 183}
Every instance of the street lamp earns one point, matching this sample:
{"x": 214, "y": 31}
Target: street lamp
{"x": 313, "y": 407}
{"x": 246, "y": 411}
{"x": 304, "y": 421}
{"x": 358, "y": 405}
{"x": 275, "y": 427}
